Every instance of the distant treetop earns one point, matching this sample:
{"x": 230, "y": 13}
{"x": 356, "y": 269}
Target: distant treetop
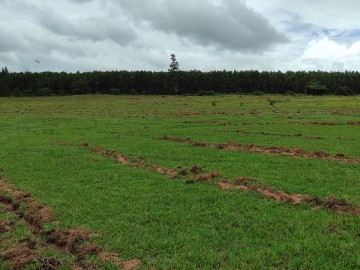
{"x": 174, "y": 66}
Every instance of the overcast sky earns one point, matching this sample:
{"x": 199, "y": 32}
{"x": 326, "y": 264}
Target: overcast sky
{"x": 86, "y": 35}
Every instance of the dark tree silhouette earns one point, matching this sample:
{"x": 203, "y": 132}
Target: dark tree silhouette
{"x": 174, "y": 66}
{"x": 174, "y": 78}
{"x": 179, "y": 82}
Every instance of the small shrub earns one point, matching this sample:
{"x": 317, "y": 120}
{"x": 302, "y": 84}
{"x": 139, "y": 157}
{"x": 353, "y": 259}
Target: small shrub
{"x": 133, "y": 92}
{"x": 79, "y": 87}
{"x": 344, "y": 91}
{"x": 258, "y": 93}
{"x": 45, "y": 91}
{"x": 290, "y": 93}
{"x": 272, "y": 102}
{"x": 314, "y": 87}
{"x": 206, "y": 93}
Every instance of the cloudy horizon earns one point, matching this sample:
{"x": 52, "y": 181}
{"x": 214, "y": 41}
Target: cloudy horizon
{"x": 86, "y": 35}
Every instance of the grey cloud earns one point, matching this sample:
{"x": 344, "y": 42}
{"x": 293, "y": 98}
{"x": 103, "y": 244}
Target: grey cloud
{"x": 80, "y": 1}
{"x": 92, "y": 28}
{"x": 228, "y": 25}
{"x": 10, "y": 41}
{"x": 296, "y": 24}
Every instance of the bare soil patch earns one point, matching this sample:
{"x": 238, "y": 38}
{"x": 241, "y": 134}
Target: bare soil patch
{"x": 268, "y": 150}
{"x": 20, "y": 256}
{"x": 5, "y": 225}
{"x": 131, "y": 264}
{"x": 73, "y": 241}
{"x": 267, "y": 192}
{"x": 357, "y": 123}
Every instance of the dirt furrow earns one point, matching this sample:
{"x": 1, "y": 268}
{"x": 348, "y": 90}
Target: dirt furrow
{"x": 268, "y": 150}
{"x": 73, "y": 241}
{"x": 245, "y": 183}
{"x": 271, "y": 134}
{"x": 332, "y": 203}
{"x": 353, "y": 123}
{"x": 194, "y": 172}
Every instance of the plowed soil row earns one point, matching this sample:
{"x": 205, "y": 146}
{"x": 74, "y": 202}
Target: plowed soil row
{"x": 67, "y": 241}
{"x": 326, "y": 123}
{"x": 332, "y": 203}
{"x": 273, "y": 134}
{"x": 196, "y": 173}
{"x": 244, "y": 183}
{"x": 267, "y": 150}
{"x": 355, "y": 123}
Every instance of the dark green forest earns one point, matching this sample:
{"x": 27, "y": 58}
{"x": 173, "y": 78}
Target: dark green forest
{"x": 179, "y": 82}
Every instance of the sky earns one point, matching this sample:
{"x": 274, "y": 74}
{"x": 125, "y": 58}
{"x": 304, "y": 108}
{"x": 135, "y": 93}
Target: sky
{"x": 87, "y": 35}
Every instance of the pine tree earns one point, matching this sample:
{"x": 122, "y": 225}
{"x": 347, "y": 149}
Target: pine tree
{"x": 174, "y": 66}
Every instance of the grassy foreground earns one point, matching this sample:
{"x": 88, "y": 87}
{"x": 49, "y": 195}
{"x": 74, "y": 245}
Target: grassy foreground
{"x": 167, "y": 223}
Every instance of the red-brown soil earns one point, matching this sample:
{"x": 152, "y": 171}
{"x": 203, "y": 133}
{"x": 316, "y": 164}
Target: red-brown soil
{"x": 5, "y": 225}
{"x": 131, "y": 264}
{"x": 26, "y": 251}
{"x": 20, "y": 256}
{"x": 112, "y": 154}
{"x": 355, "y": 123}
{"x": 273, "y": 134}
{"x": 142, "y": 163}
{"x": 246, "y": 183}
{"x": 268, "y": 192}
{"x": 332, "y": 203}
{"x": 212, "y": 123}
{"x": 341, "y": 206}
{"x": 207, "y": 176}
{"x": 268, "y": 150}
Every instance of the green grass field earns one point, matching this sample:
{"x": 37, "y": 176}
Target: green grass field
{"x": 167, "y": 223}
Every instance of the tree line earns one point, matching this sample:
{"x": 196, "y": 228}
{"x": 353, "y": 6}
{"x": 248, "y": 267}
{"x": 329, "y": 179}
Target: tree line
{"x": 179, "y": 82}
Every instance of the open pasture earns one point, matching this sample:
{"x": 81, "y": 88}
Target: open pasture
{"x": 180, "y": 182}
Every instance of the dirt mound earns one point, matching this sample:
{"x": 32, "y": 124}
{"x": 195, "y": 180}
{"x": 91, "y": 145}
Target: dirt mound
{"x": 268, "y": 150}
{"x": 196, "y": 170}
{"x": 267, "y": 192}
{"x": 38, "y": 215}
{"x": 203, "y": 177}
{"x": 131, "y": 264}
{"x": 162, "y": 170}
{"x": 244, "y": 180}
{"x": 340, "y": 206}
{"x": 89, "y": 248}
{"x": 207, "y": 176}
{"x": 20, "y": 256}
{"x": 5, "y": 225}
{"x": 69, "y": 240}
{"x": 111, "y": 154}
{"x": 85, "y": 144}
